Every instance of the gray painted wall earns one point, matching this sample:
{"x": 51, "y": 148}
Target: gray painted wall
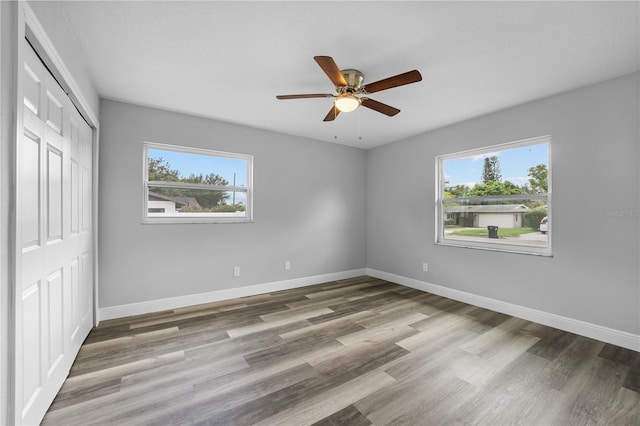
{"x": 593, "y": 275}
{"x": 309, "y": 208}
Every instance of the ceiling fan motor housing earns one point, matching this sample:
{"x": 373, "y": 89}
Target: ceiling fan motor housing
{"x": 354, "y": 79}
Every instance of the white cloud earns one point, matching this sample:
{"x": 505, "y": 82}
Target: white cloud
{"x": 517, "y": 180}
{"x": 485, "y": 155}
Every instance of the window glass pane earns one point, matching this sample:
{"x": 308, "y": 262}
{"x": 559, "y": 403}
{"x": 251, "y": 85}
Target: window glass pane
{"x": 508, "y": 222}
{"x": 195, "y": 202}
{"x": 499, "y": 172}
{"x": 174, "y": 166}
{"x": 496, "y": 197}
{"x": 194, "y": 185}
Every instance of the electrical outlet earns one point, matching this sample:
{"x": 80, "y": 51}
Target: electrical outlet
{"x": 287, "y": 265}
{"x": 236, "y": 271}
{"x": 425, "y": 267}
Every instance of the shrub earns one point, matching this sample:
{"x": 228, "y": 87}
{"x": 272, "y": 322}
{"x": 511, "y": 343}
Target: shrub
{"x": 532, "y": 218}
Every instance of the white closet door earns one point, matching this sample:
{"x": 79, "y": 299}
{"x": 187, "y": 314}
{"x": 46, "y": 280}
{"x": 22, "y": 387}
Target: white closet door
{"x": 54, "y": 278}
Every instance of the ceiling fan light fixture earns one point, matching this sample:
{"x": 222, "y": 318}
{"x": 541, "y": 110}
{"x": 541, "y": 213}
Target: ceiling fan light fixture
{"x": 347, "y": 102}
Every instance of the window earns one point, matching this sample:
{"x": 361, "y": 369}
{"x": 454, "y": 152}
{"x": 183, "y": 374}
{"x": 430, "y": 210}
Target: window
{"x": 496, "y": 198}
{"x": 196, "y": 185}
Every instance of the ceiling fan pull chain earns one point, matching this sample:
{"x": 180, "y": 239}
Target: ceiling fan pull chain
{"x": 335, "y": 131}
{"x": 359, "y": 126}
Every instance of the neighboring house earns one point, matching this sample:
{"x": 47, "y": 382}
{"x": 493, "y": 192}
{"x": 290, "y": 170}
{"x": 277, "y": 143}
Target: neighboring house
{"x": 501, "y": 215}
{"x": 163, "y": 204}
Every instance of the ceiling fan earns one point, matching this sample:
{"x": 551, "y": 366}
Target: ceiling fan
{"x": 351, "y": 93}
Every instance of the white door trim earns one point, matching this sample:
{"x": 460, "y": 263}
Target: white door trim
{"x": 8, "y": 52}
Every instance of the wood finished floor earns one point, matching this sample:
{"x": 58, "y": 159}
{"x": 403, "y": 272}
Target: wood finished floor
{"x": 352, "y": 352}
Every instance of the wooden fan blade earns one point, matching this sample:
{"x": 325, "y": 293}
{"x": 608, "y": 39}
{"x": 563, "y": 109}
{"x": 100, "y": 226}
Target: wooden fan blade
{"x": 333, "y": 113}
{"x": 380, "y": 107}
{"x": 311, "y": 95}
{"x": 331, "y": 70}
{"x": 395, "y": 81}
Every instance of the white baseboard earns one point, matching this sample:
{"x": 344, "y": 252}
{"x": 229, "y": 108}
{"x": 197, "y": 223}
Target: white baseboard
{"x": 146, "y": 307}
{"x": 594, "y": 331}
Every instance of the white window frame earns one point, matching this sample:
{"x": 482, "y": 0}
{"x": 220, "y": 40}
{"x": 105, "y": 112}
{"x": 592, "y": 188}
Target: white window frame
{"x": 491, "y": 245}
{"x": 150, "y": 218}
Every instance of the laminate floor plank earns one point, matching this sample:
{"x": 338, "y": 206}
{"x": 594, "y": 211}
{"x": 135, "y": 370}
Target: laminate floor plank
{"x": 350, "y": 290}
{"x": 313, "y": 409}
{"x": 626, "y": 357}
{"x": 510, "y": 395}
{"x": 401, "y": 316}
{"x": 422, "y": 406}
{"x": 552, "y": 343}
{"x": 209, "y": 386}
{"x": 433, "y": 328}
{"x": 378, "y": 334}
{"x": 359, "y": 351}
{"x": 213, "y": 307}
{"x": 233, "y": 403}
{"x": 492, "y": 339}
{"x": 271, "y": 404}
{"x": 339, "y": 314}
{"x": 145, "y": 350}
{"x": 624, "y": 409}
{"x": 323, "y": 341}
{"x": 282, "y": 320}
{"x": 571, "y": 363}
{"x": 101, "y": 411}
{"x": 347, "y": 416}
{"x": 185, "y": 315}
{"x": 403, "y": 305}
{"x": 340, "y": 323}
{"x": 187, "y": 371}
{"x": 358, "y": 362}
{"x": 598, "y": 393}
{"x": 431, "y": 380}
{"x": 88, "y": 390}
{"x": 442, "y": 354}
{"x": 365, "y": 303}
{"x": 482, "y": 368}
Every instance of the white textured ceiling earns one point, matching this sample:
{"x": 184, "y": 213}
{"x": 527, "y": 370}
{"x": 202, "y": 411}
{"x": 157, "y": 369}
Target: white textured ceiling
{"x": 228, "y": 60}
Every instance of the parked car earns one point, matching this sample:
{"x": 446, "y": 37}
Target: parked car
{"x": 544, "y": 225}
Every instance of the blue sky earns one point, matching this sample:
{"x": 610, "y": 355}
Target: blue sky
{"x": 514, "y": 165}
{"x": 197, "y": 163}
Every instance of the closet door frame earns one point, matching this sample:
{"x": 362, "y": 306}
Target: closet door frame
{"x": 28, "y": 26}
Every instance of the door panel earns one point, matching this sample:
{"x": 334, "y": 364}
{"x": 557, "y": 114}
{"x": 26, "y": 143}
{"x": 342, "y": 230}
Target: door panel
{"x": 30, "y": 179}
{"x": 85, "y": 178}
{"x": 54, "y": 113}
{"x": 86, "y": 296}
{"x": 54, "y": 195}
{"x": 74, "y": 298}
{"x": 54, "y": 267}
{"x": 55, "y": 321}
{"x": 32, "y": 89}
{"x": 75, "y": 199}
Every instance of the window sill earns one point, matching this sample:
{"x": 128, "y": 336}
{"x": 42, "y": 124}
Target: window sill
{"x": 193, "y": 220}
{"x": 504, "y": 247}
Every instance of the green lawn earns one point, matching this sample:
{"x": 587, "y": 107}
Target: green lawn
{"x": 502, "y": 232}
